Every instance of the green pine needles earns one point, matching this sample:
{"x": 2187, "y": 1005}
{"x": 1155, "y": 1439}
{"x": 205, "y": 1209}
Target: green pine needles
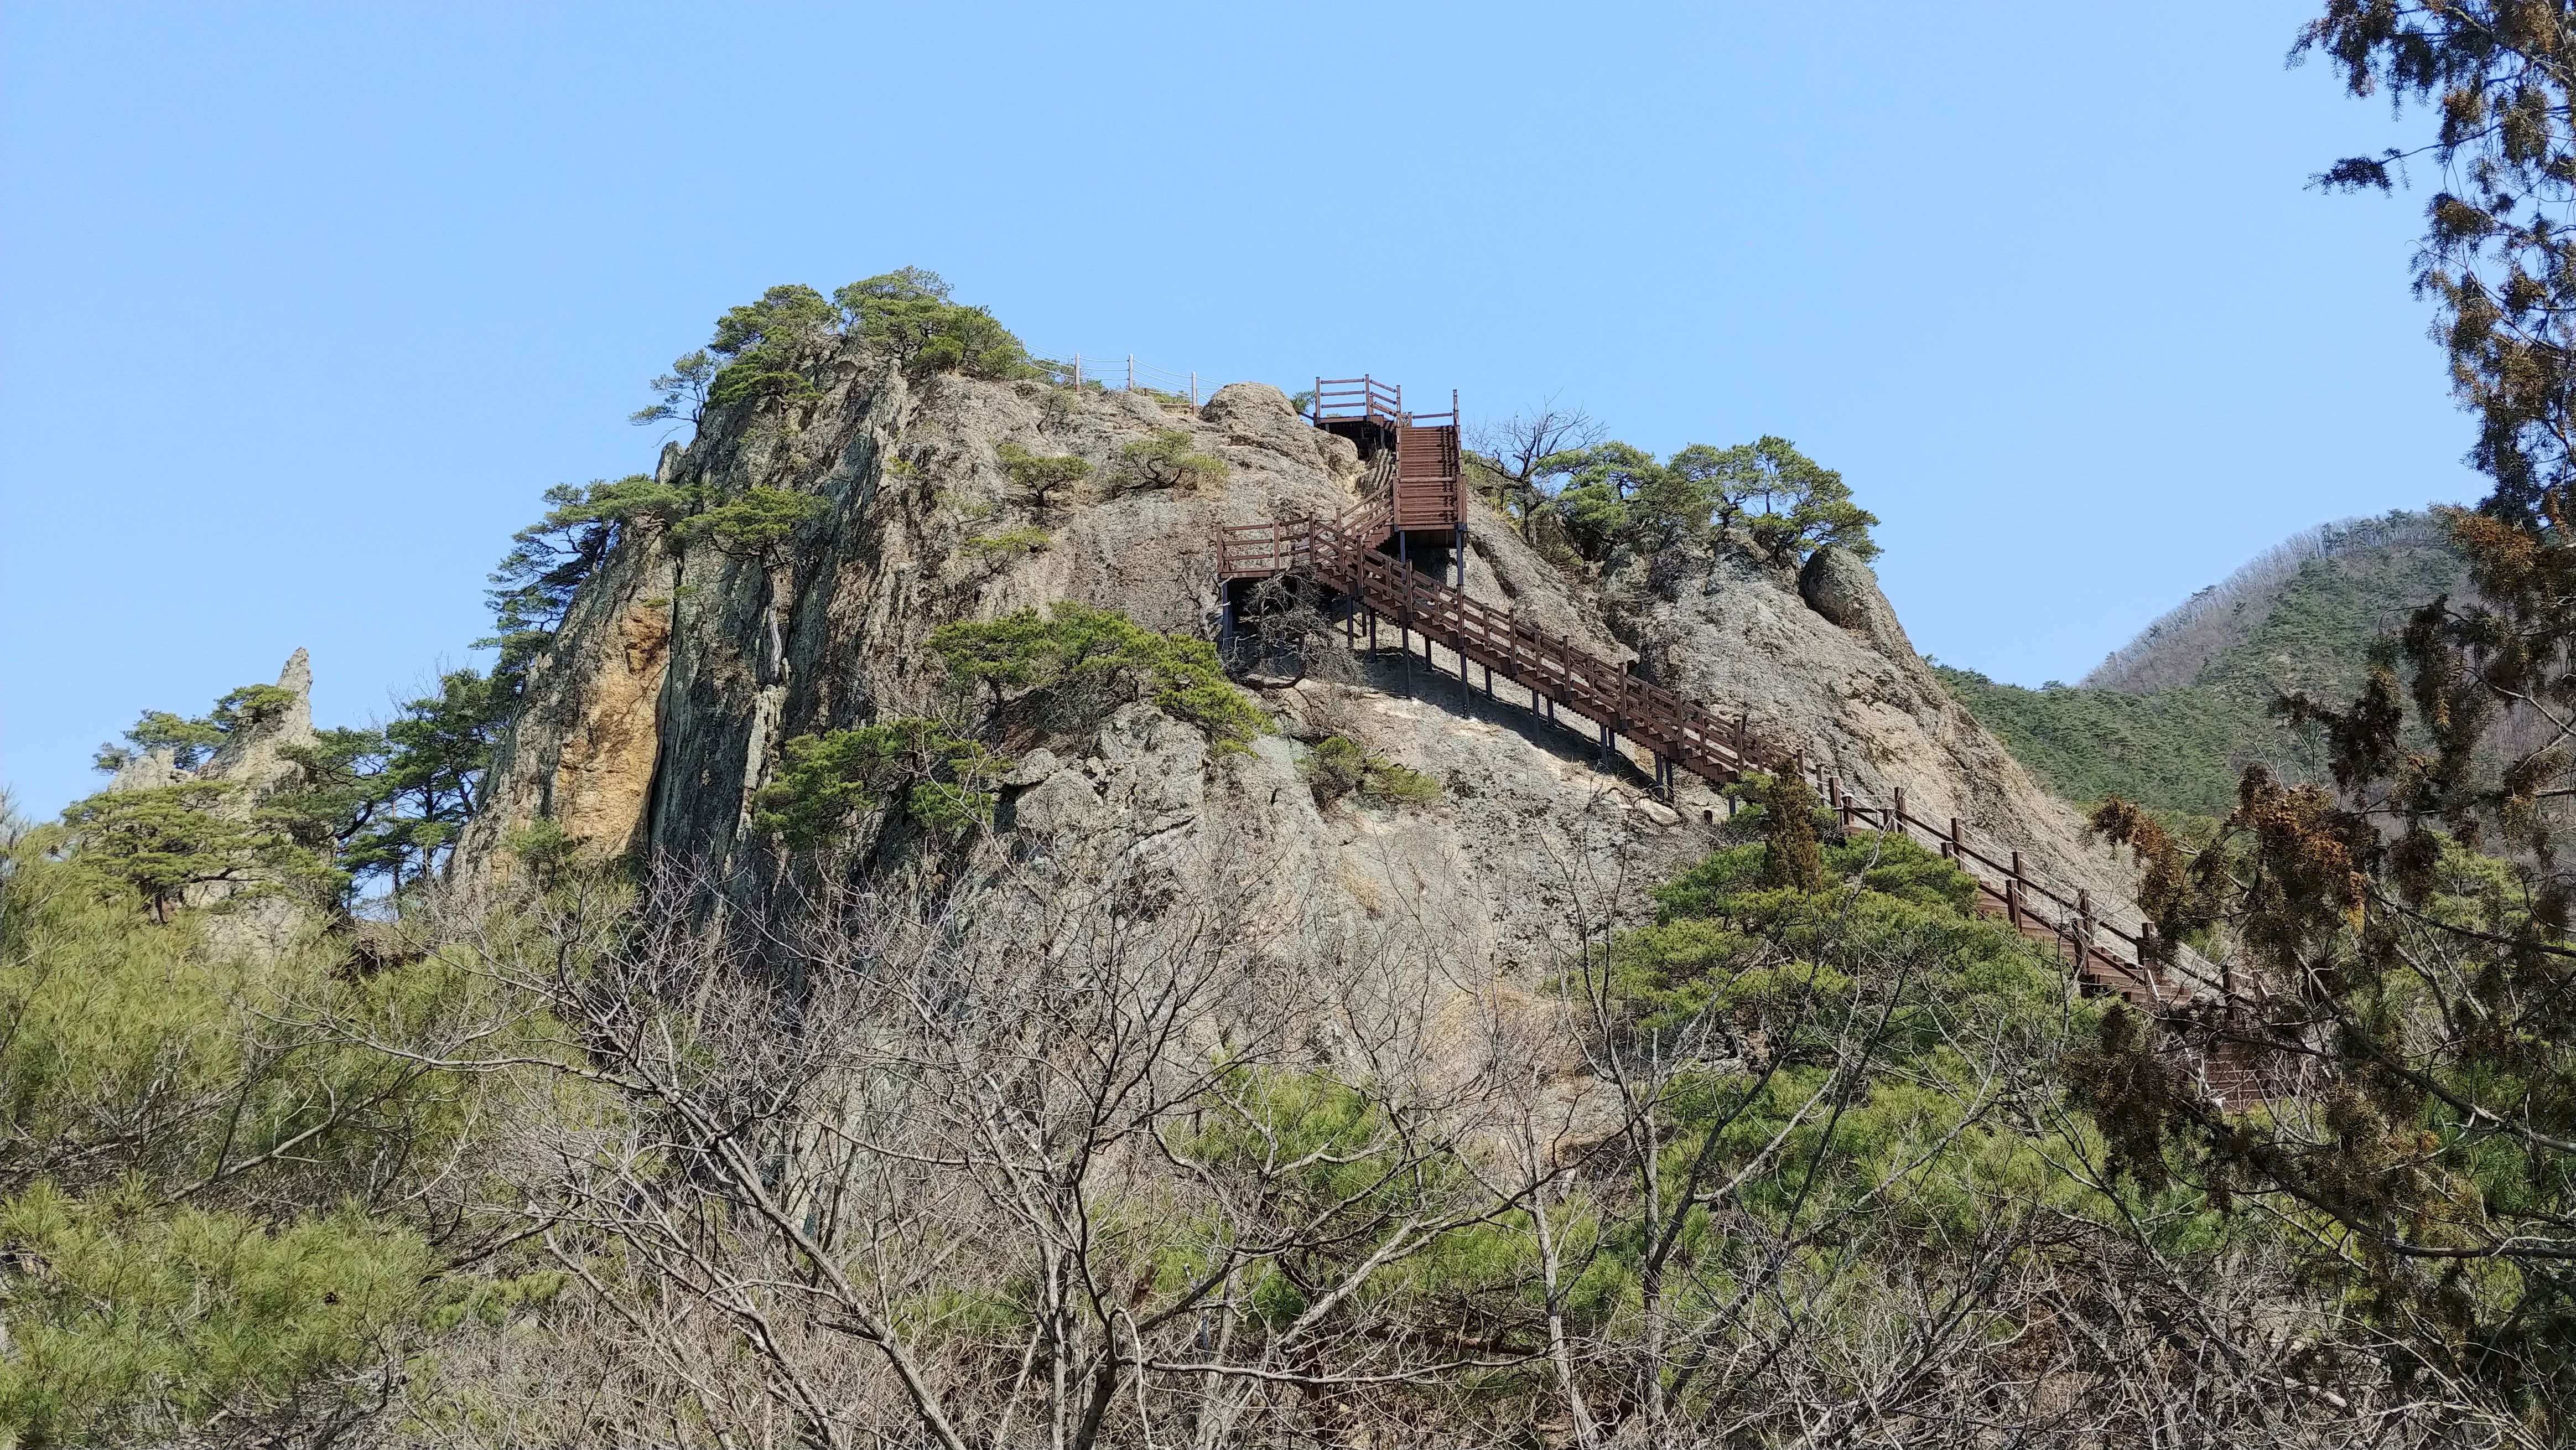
{"x": 1061, "y": 671}
{"x": 1075, "y": 663}
{"x": 780, "y": 348}
{"x": 940, "y": 781}
{"x": 1764, "y": 496}
{"x": 1339, "y": 767}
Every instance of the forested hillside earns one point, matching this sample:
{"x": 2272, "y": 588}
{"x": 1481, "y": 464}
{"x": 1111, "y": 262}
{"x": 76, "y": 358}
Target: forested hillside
{"x": 2170, "y": 720}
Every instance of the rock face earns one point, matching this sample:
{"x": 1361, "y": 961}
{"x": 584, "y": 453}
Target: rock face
{"x": 1817, "y": 662}
{"x": 1837, "y": 585}
{"x": 681, "y": 673}
{"x": 255, "y": 757}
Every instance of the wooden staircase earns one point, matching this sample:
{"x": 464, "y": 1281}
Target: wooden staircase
{"x": 1413, "y": 495}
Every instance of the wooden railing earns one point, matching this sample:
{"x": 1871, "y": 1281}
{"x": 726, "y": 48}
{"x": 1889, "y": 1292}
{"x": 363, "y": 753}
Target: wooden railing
{"x": 1562, "y": 675}
{"x": 1354, "y": 398}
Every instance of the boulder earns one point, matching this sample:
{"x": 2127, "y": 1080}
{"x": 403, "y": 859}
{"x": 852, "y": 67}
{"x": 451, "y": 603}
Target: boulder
{"x": 1837, "y": 585}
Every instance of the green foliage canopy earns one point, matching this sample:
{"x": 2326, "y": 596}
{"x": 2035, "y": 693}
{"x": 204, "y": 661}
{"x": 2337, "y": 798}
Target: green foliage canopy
{"x": 1077, "y": 663}
{"x": 945, "y": 782}
{"x": 1040, "y": 476}
{"x": 192, "y": 740}
{"x": 548, "y": 561}
{"x": 907, "y": 313}
{"x": 211, "y": 1186}
{"x": 1339, "y": 766}
{"x": 779, "y": 347}
{"x": 1169, "y": 459}
{"x": 757, "y": 523}
{"x": 359, "y": 802}
{"x": 161, "y": 841}
{"x": 1777, "y": 501}
{"x": 2179, "y": 749}
{"x": 770, "y": 348}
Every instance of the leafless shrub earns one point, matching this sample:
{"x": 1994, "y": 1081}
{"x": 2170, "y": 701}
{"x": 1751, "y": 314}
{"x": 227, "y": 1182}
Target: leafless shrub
{"x": 1105, "y": 1148}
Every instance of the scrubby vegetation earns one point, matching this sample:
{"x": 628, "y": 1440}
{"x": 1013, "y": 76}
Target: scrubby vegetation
{"x": 1828, "y": 1170}
{"x": 991, "y": 1140}
{"x": 940, "y": 781}
{"x": 1071, "y": 665}
{"x": 1041, "y": 478}
{"x": 1169, "y": 460}
{"x": 234, "y": 1191}
{"x": 1021, "y": 539}
{"x": 1338, "y": 766}
{"x": 354, "y": 806}
{"x": 780, "y": 348}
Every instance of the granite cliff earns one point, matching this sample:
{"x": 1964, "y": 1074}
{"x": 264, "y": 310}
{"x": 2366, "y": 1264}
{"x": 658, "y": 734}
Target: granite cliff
{"x": 679, "y": 672}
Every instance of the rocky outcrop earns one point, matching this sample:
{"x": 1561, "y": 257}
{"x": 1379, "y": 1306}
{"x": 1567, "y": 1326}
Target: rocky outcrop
{"x": 251, "y": 915}
{"x": 1817, "y": 663}
{"x": 1837, "y": 585}
{"x": 257, "y": 756}
{"x": 680, "y": 673}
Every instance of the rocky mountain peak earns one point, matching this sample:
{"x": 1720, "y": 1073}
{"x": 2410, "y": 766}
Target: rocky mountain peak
{"x": 681, "y": 674}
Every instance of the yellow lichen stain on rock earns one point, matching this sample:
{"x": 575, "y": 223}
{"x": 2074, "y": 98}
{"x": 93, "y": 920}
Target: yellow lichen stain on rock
{"x": 1362, "y": 890}
{"x": 606, "y": 765}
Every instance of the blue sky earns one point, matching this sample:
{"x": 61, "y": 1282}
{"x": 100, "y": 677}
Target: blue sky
{"x": 301, "y": 307}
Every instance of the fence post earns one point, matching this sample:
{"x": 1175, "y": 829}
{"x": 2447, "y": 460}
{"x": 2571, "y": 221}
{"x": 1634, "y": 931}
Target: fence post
{"x": 1957, "y": 850}
{"x": 1194, "y": 387}
{"x": 2012, "y": 901}
{"x": 1898, "y": 824}
{"x": 1131, "y": 372}
{"x": 1077, "y": 371}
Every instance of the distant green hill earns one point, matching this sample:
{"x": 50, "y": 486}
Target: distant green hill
{"x": 2169, "y": 720}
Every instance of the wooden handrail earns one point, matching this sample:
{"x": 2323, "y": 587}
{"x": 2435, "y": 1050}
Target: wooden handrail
{"x": 1360, "y": 397}
{"x": 1343, "y": 555}
{"x": 1417, "y": 484}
